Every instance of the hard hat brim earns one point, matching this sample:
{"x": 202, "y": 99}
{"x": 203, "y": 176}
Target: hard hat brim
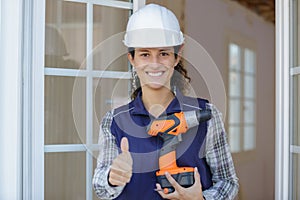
{"x": 142, "y": 38}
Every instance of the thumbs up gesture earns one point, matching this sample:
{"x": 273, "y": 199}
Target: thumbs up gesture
{"x": 121, "y": 168}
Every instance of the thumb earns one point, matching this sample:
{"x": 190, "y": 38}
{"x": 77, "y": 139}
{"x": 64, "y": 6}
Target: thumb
{"x": 124, "y": 145}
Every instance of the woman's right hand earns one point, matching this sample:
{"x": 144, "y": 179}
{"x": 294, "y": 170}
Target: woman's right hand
{"x": 121, "y": 168}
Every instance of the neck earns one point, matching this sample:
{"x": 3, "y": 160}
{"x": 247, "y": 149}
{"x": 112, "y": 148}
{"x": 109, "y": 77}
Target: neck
{"x": 156, "y": 101}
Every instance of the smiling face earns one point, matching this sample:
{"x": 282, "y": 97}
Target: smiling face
{"x": 154, "y": 66}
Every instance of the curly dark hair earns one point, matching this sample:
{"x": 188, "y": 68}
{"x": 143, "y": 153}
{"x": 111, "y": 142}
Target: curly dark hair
{"x": 180, "y": 79}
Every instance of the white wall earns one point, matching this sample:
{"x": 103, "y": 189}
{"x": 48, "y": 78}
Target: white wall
{"x": 210, "y": 22}
{"x": 10, "y": 107}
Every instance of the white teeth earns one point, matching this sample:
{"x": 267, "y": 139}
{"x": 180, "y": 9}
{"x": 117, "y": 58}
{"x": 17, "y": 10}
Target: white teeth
{"x": 155, "y": 74}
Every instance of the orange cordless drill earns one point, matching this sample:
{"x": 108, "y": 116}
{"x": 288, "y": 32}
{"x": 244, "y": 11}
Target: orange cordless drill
{"x": 170, "y": 128}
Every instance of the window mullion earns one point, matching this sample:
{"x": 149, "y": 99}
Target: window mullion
{"x": 37, "y": 124}
{"x": 295, "y": 70}
{"x": 89, "y": 67}
{"x": 137, "y": 4}
{"x": 89, "y": 99}
{"x": 242, "y": 97}
{"x": 110, "y": 3}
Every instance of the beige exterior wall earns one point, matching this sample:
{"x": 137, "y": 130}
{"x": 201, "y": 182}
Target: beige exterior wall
{"x": 210, "y": 23}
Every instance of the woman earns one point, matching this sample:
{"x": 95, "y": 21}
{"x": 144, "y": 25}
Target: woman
{"x": 154, "y": 41}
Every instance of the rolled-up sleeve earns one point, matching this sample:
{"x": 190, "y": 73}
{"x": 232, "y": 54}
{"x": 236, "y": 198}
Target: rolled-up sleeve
{"x": 108, "y": 150}
{"x": 225, "y": 181}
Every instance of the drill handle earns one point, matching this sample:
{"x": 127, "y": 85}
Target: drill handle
{"x": 170, "y": 143}
{"x": 167, "y": 154}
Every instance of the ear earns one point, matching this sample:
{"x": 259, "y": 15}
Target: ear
{"x": 180, "y": 49}
{"x": 179, "y": 55}
{"x": 177, "y": 60}
{"x": 130, "y": 58}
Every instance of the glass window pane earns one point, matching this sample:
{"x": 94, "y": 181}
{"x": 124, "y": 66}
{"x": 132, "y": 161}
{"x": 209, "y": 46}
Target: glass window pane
{"x": 234, "y": 111}
{"x": 249, "y": 86}
{"x": 234, "y": 84}
{"x": 234, "y": 138}
{"x": 64, "y": 110}
{"x": 250, "y": 61}
{"x": 108, "y": 94}
{"x": 234, "y": 57}
{"x": 65, "y": 176}
{"x": 295, "y": 176}
{"x": 249, "y": 112}
{"x": 109, "y": 52}
{"x": 249, "y": 138}
{"x": 295, "y": 30}
{"x": 295, "y": 96}
{"x": 295, "y": 140}
{"x": 102, "y": 61}
{"x": 65, "y": 34}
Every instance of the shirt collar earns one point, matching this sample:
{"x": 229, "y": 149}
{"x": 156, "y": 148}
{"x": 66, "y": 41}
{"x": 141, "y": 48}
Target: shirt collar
{"x": 176, "y": 104}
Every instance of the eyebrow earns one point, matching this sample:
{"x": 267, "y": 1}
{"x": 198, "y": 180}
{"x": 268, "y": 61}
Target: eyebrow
{"x": 169, "y": 49}
{"x": 146, "y": 50}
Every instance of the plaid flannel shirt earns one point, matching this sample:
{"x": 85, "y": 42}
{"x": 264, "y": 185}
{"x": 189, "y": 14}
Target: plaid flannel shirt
{"x": 217, "y": 152}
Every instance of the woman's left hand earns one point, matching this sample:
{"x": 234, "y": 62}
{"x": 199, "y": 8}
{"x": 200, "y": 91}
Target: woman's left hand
{"x": 191, "y": 193}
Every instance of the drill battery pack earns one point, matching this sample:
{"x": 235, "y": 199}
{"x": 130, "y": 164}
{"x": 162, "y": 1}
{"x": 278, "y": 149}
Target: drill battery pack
{"x": 185, "y": 179}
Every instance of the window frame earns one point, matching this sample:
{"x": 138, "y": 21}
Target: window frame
{"x": 11, "y": 25}
{"x": 282, "y": 165}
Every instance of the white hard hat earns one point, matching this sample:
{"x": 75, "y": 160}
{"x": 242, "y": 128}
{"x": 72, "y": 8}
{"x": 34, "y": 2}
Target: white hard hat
{"x": 153, "y": 26}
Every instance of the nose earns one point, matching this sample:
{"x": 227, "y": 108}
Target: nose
{"x": 155, "y": 59}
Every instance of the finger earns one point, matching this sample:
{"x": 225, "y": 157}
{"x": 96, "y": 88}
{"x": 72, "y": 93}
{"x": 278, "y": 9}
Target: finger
{"x": 121, "y": 172}
{"x": 122, "y": 167}
{"x": 124, "y": 145}
{"x": 116, "y": 179}
{"x": 158, "y": 187}
{"x": 125, "y": 151}
{"x": 122, "y": 177}
{"x": 197, "y": 176}
{"x": 173, "y": 182}
{"x": 116, "y": 182}
{"x": 160, "y": 191}
{"x": 123, "y": 162}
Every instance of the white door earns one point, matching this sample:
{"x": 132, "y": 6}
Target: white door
{"x": 288, "y": 100}
{"x": 80, "y": 72}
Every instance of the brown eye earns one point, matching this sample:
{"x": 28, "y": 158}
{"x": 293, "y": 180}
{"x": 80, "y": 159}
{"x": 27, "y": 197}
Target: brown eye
{"x": 165, "y": 54}
{"x": 144, "y": 55}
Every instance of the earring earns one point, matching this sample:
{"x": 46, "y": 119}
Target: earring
{"x": 174, "y": 90}
{"x": 134, "y": 81}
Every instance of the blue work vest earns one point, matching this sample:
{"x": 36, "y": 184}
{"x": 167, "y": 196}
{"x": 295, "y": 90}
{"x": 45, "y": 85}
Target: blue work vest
{"x": 131, "y": 121}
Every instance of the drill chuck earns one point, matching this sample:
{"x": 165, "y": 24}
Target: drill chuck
{"x": 195, "y": 117}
